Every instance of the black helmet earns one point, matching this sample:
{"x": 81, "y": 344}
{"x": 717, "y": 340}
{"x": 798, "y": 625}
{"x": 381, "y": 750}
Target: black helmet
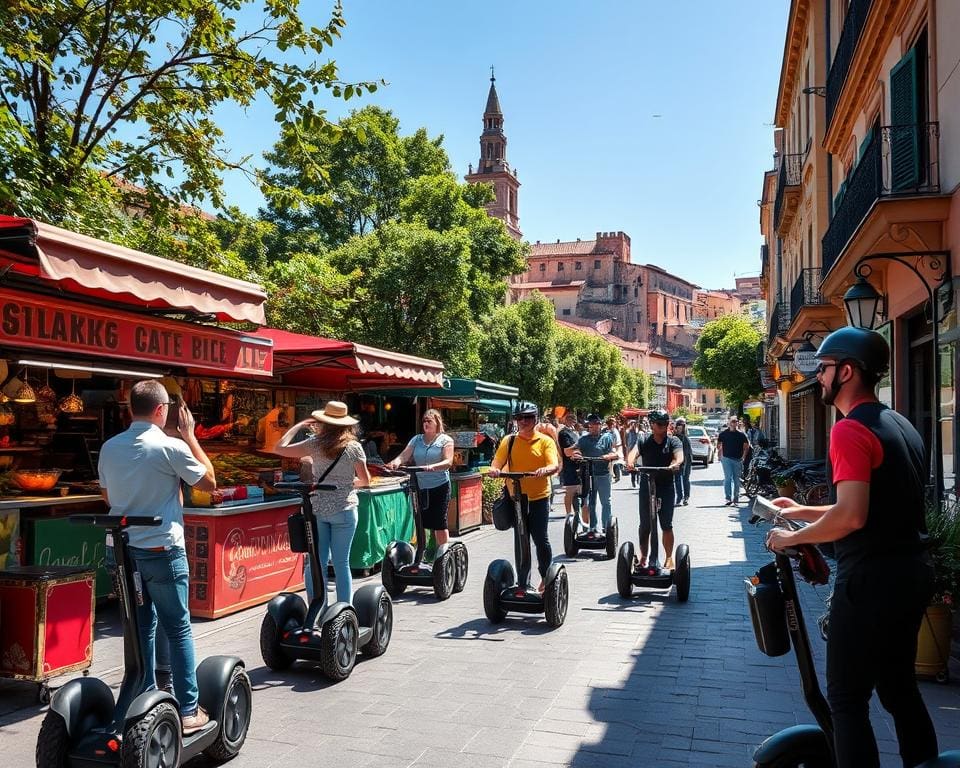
{"x": 526, "y": 409}
{"x": 658, "y": 417}
{"x": 866, "y": 348}
{"x": 593, "y": 418}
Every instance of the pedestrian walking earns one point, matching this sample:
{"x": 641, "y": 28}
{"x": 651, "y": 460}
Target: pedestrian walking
{"x": 732, "y": 447}
{"x": 630, "y": 438}
{"x": 339, "y": 459}
{"x": 681, "y": 480}
{"x": 617, "y": 464}
{"x": 570, "y": 472}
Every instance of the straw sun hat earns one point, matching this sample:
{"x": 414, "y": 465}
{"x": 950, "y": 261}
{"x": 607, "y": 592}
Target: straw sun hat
{"x": 335, "y": 413}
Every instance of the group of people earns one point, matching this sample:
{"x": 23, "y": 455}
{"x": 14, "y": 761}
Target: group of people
{"x": 876, "y": 469}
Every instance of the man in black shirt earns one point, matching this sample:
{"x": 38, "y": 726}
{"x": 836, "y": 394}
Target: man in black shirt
{"x": 732, "y": 447}
{"x": 658, "y": 449}
{"x": 570, "y": 471}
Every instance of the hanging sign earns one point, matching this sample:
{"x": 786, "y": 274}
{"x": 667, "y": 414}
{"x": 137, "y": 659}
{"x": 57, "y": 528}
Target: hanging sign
{"x": 805, "y": 362}
{"x": 59, "y": 325}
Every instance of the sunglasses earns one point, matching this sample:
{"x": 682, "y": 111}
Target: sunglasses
{"x": 526, "y": 417}
{"x": 822, "y": 367}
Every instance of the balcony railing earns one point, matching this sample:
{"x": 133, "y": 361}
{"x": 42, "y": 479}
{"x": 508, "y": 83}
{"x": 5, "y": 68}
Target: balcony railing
{"x": 903, "y": 160}
{"x": 806, "y": 291}
{"x": 791, "y": 168}
{"x": 857, "y": 13}
{"x": 779, "y": 322}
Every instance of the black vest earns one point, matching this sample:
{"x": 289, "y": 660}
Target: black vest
{"x": 895, "y": 516}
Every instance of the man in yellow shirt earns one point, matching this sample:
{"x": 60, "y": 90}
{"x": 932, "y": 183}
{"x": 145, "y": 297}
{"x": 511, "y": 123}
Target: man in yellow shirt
{"x": 531, "y": 451}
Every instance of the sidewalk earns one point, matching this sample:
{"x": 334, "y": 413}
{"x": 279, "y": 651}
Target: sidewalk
{"x": 649, "y": 683}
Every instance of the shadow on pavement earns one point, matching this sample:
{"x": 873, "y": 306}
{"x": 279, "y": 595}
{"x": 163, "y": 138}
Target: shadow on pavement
{"x": 482, "y": 629}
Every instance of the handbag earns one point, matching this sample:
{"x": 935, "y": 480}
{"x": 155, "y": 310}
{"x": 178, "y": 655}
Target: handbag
{"x": 503, "y": 514}
{"x": 297, "y": 524}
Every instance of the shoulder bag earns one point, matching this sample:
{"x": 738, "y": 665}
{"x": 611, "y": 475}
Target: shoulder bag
{"x": 503, "y": 517}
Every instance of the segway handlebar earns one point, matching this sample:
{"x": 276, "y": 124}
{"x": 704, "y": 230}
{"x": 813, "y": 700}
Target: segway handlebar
{"x": 518, "y": 475}
{"x": 409, "y": 469}
{"x": 305, "y": 487}
{"x": 593, "y": 460}
{"x": 811, "y": 565}
{"x": 649, "y": 470}
{"x": 116, "y": 521}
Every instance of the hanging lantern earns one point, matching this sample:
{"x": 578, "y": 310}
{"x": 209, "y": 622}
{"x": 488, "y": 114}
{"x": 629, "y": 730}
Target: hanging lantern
{"x": 25, "y": 393}
{"x": 46, "y": 393}
{"x": 72, "y": 404}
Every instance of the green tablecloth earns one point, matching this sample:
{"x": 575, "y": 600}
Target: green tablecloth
{"x": 384, "y": 515}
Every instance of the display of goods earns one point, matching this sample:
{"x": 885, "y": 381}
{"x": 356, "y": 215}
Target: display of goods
{"x": 35, "y": 479}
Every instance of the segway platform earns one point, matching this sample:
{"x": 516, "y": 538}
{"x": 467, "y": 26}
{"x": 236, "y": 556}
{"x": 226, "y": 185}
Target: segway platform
{"x": 576, "y": 535}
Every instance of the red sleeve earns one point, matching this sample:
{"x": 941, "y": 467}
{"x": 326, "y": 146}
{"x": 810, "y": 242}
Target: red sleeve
{"x": 855, "y": 451}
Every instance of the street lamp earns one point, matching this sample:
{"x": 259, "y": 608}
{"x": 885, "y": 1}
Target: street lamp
{"x": 861, "y": 301}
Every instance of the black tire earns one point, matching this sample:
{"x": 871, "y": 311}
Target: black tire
{"x": 570, "y": 548}
{"x": 492, "y": 587}
{"x": 444, "y": 575}
{"x": 382, "y": 628}
{"x": 681, "y": 575}
{"x": 803, "y": 760}
{"x": 153, "y": 740}
{"x": 338, "y": 646}
{"x": 234, "y": 719}
{"x": 53, "y": 742}
{"x": 625, "y": 571}
{"x": 388, "y": 575}
{"x": 556, "y": 598}
{"x": 463, "y": 567}
{"x": 270, "y": 649}
{"x": 613, "y": 538}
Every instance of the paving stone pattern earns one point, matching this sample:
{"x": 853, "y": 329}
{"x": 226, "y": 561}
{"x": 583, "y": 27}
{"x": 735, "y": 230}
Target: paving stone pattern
{"x": 647, "y": 683}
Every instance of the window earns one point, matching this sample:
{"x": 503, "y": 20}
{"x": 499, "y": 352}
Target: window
{"x": 596, "y": 264}
{"x": 543, "y": 266}
{"x": 566, "y": 311}
{"x": 636, "y": 291}
{"x": 638, "y": 317}
{"x": 578, "y": 265}
{"x": 559, "y": 266}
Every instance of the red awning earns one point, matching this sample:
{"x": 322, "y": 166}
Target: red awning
{"x": 312, "y": 362}
{"x": 92, "y": 267}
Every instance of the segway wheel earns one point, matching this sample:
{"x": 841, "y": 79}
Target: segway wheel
{"x": 500, "y": 575}
{"x": 394, "y": 585}
{"x": 444, "y": 575}
{"x": 463, "y": 565}
{"x": 613, "y": 538}
{"x": 53, "y": 742}
{"x": 570, "y": 548}
{"x": 270, "y": 649}
{"x": 235, "y": 718}
{"x": 625, "y": 571}
{"x": 382, "y": 628}
{"x": 154, "y": 739}
{"x": 556, "y": 597}
{"x": 681, "y": 576}
{"x": 339, "y": 645}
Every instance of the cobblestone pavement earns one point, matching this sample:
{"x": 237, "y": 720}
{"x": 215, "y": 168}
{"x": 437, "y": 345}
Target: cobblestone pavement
{"x": 648, "y": 683}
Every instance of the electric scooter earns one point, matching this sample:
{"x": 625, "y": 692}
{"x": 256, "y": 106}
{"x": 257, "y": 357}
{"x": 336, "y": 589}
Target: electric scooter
{"x": 653, "y": 576}
{"x": 402, "y": 567}
{"x": 507, "y": 590}
{"x": 142, "y": 729}
{"x": 576, "y": 535}
{"x": 778, "y": 623}
{"x": 329, "y": 634}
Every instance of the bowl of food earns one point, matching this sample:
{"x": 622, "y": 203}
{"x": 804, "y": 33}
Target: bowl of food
{"x": 35, "y": 479}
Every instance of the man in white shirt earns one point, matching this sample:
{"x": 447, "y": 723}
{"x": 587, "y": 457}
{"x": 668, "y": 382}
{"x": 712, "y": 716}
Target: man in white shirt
{"x": 140, "y": 472}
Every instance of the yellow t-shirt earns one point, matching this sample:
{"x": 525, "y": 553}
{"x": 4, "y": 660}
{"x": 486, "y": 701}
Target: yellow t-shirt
{"x": 527, "y": 455}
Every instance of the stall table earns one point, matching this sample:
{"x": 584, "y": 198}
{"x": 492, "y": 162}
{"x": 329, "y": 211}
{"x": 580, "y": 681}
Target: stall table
{"x": 384, "y": 515}
{"x": 465, "y": 512}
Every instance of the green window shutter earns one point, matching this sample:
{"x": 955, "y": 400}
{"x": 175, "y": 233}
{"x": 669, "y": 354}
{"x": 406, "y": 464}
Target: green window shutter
{"x": 904, "y": 132}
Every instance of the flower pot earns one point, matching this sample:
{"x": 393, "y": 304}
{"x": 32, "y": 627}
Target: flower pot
{"x": 933, "y": 643}
{"x": 788, "y": 489}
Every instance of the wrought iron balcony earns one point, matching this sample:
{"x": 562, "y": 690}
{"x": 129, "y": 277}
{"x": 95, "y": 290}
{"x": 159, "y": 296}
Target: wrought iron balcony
{"x": 779, "y": 322}
{"x": 902, "y": 161}
{"x": 806, "y": 291}
{"x": 857, "y": 13}
{"x": 788, "y": 185}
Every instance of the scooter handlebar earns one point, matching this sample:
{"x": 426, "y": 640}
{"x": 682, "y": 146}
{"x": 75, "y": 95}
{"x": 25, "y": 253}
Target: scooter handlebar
{"x": 116, "y": 521}
{"x": 308, "y": 487}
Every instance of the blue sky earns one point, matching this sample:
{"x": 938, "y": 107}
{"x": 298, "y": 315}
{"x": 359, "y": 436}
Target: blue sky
{"x": 580, "y": 82}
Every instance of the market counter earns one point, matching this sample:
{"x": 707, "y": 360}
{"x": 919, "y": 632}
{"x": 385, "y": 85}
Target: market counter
{"x": 465, "y": 511}
{"x": 240, "y": 555}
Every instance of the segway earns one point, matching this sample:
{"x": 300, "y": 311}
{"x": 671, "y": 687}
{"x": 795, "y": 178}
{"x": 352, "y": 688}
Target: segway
{"x": 402, "y": 567}
{"x": 84, "y": 727}
{"x": 506, "y": 590}
{"x": 653, "y": 575}
{"x": 329, "y": 634}
{"x": 576, "y": 535}
{"x": 778, "y": 623}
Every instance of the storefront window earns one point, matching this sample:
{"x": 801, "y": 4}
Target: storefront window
{"x": 885, "y": 388}
{"x": 948, "y": 393}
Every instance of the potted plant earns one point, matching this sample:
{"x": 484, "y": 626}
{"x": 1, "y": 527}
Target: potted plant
{"x": 785, "y": 485}
{"x": 933, "y": 643}
{"x": 491, "y": 490}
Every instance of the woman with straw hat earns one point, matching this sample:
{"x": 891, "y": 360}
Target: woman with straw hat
{"x": 339, "y": 459}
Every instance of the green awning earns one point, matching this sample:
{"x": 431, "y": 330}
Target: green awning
{"x": 462, "y": 389}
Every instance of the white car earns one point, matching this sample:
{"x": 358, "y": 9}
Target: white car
{"x": 702, "y": 446}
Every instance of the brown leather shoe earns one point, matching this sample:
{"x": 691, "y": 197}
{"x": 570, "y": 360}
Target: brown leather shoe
{"x": 193, "y": 723}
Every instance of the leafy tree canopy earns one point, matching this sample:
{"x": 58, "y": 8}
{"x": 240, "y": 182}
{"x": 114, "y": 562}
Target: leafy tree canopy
{"x": 726, "y": 357}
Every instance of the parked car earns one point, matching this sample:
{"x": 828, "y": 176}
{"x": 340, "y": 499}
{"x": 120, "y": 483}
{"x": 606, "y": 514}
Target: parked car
{"x": 702, "y": 446}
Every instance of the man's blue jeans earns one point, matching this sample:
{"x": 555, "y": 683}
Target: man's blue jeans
{"x": 162, "y": 645}
{"x": 601, "y": 490}
{"x": 165, "y": 577}
{"x": 731, "y": 477}
{"x": 335, "y": 536}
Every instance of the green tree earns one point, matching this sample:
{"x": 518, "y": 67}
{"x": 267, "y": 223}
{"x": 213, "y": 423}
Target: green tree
{"x": 726, "y": 357}
{"x": 308, "y": 295}
{"x": 519, "y": 347}
{"x": 126, "y": 91}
